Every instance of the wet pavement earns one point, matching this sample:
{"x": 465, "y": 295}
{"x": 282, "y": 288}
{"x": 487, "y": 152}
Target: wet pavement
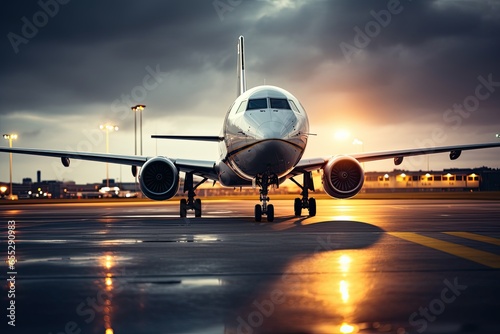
{"x": 360, "y": 266}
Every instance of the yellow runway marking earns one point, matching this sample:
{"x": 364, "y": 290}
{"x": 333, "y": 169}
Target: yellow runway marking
{"x": 476, "y": 237}
{"x": 485, "y": 258}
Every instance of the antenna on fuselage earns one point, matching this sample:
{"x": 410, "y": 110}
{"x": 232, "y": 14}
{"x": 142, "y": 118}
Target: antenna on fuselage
{"x": 242, "y": 82}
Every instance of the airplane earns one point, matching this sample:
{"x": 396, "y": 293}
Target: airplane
{"x": 263, "y": 138}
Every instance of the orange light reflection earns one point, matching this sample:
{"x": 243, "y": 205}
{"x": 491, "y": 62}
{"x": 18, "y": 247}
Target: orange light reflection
{"x": 339, "y": 288}
{"x": 346, "y": 328}
{"x": 108, "y": 262}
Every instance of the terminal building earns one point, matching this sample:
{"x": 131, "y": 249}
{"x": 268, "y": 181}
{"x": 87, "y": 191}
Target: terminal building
{"x": 477, "y": 179}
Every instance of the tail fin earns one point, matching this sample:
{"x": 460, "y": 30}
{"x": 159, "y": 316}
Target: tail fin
{"x": 242, "y": 81}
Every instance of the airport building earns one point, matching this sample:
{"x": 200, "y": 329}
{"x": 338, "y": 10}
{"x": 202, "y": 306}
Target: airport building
{"x": 476, "y": 179}
{"x": 411, "y": 181}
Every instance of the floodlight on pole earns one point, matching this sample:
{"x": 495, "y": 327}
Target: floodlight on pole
{"x": 140, "y": 108}
{"x": 107, "y": 128}
{"x": 134, "y": 109}
{"x": 137, "y": 108}
{"x": 10, "y": 137}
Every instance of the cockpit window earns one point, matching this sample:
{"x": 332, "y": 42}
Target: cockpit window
{"x": 257, "y": 104}
{"x": 294, "y": 107}
{"x": 279, "y": 104}
{"x": 242, "y": 106}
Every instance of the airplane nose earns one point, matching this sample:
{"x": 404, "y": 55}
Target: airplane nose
{"x": 273, "y": 130}
{"x": 271, "y": 124}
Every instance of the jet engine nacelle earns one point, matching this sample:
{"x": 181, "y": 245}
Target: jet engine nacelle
{"x": 159, "y": 179}
{"x": 343, "y": 177}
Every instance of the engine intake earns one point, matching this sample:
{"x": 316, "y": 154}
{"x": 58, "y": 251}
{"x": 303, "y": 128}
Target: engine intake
{"x": 159, "y": 179}
{"x": 343, "y": 177}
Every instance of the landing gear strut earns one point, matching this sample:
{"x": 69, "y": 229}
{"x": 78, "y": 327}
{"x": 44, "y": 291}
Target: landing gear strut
{"x": 191, "y": 203}
{"x": 264, "y": 181}
{"x": 305, "y": 202}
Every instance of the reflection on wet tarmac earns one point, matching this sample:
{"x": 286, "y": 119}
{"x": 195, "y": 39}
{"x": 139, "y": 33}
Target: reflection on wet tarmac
{"x": 119, "y": 241}
{"x": 346, "y": 328}
{"x": 337, "y": 305}
{"x": 49, "y": 241}
{"x": 318, "y": 303}
{"x": 321, "y": 290}
{"x": 231, "y": 275}
{"x": 107, "y": 261}
{"x": 330, "y": 301}
{"x": 189, "y": 238}
{"x": 203, "y": 282}
{"x": 74, "y": 260}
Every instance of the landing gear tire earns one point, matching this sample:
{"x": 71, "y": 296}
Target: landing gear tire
{"x": 305, "y": 202}
{"x": 191, "y": 203}
{"x": 297, "y": 207}
{"x": 258, "y": 212}
{"x": 183, "y": 208}
{"x": 270, "y": 213}
{"x": 197, "y": 208}
{"x": 312, "y": 207}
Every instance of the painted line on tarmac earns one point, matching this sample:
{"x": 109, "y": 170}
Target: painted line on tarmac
{"x": 476, "y": 237}
{"x": 471, "y": 254}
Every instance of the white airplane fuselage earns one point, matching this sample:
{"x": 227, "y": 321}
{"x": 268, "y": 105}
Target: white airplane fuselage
{"x": 265, "y": 131}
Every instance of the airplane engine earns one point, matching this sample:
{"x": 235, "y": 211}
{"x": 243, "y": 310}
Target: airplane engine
{"x": 159, "y": 179}
{"x": 343, "y": 177}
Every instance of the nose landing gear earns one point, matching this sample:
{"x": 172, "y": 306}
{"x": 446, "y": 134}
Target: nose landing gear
{"x": 264, "y": 181}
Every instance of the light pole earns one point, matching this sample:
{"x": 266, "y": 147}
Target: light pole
{"x": 134, "y": 109}
{"x": 10, "y": 137}
{"x": 141, "y": 108}
{"x": 107, "y": 128}
{"x": 138, "y": 108}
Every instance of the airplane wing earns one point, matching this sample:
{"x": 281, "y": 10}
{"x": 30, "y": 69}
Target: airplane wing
{"x": 196, "y": 138}
{"x": 100, "y": 157}
{"x": 198, "y": 167}
{"x": 306, "y": 165}
{"x": 201, "y": 168}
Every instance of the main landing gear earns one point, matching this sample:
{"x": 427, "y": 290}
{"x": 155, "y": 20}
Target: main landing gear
{"x": 191, "y": 203}
{"x": 264, "y": 181}
{"x": 305, "y": 202}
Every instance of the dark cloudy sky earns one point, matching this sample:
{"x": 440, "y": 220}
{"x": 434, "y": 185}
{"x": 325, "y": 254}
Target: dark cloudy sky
{"x": 388, "y": 72}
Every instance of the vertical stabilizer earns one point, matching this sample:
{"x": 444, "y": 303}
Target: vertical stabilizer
{"x": 242, "y": 81}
